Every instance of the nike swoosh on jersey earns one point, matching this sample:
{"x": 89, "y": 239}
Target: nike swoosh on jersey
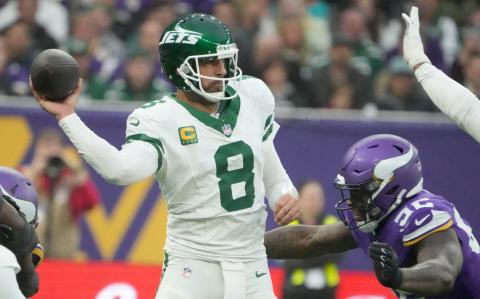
{"x": 419, "y": 222}
{"x": 258, "y": 274}
{"x": 135, "y": 123}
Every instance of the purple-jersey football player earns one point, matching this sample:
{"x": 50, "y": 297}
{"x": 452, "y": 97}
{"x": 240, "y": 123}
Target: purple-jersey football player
{"x": 420, "y": 245}
{"x": 20, "y": 252}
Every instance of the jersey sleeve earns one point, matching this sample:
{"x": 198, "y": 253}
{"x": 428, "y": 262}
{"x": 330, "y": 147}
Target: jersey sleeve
{"x": 429, "y": 216}
{"x": 140, "y": 129}
{"x": 453, "y": 99}
{"x": 268, "y": 112}
{"x": 265, "y": 101}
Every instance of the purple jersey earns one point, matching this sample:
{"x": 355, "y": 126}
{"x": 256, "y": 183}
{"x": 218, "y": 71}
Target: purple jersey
{"x": 416, "y": 219}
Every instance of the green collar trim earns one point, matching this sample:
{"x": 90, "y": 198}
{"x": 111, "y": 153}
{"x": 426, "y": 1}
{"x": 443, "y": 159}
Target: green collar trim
{"x": 227, "y": 120}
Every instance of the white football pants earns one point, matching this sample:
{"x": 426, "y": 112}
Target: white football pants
{"x": 196, "y": 279}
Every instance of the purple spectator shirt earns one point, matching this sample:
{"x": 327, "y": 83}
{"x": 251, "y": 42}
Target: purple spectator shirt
{"x": 416, "y": 219}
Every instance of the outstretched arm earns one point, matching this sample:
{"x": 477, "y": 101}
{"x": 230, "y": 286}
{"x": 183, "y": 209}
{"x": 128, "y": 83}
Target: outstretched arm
{"x": 453, "y": 99}
{"x": 304, "y": 241}
{"x": 135, "y": 161}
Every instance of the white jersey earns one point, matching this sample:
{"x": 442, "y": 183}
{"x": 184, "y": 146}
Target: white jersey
{"x": 210, "y": 171}
{"x": 8, "y": 259}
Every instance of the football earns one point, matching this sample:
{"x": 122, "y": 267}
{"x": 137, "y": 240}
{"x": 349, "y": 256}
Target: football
{"x": 54, "y": 74}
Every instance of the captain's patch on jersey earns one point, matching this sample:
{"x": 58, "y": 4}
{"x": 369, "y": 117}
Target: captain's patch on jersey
{"x": 188, "y": 135}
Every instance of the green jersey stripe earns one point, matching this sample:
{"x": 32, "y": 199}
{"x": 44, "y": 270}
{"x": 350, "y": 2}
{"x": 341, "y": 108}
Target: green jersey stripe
{"x": 155, "y": 142}
{"x": 268, "y": 121}
{"x": 268, "y": 132}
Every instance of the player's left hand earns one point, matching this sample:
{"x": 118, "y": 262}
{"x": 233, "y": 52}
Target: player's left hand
{"x": 287, "y": 209}
{"x": 412, "y": 42}
{"x": 385, "y": 262}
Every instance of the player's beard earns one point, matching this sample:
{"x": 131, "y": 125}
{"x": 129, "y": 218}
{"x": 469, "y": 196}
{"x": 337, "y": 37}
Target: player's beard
{"x": 213, "y": 86}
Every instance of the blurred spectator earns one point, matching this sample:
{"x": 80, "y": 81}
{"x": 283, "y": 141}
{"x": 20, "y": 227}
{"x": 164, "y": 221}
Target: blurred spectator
{"x": 312, "y": 278}
{"x": 146, "y": 39}
{"x": 342, "y": 97}
{"x": 94, "y": 85}
{"x": 470, "y": 46}
{"x": 127, "y": 14}
{"x": 264, "y": 48}
{"x": 41, "y": 39}
{"x": 275, "y": 76}
{"x": 106, "y": 43}
{"x": 226, "y": 12}
{"x": 317, "y": 8}
{"x": 472, "y": 74}
{"x": 65, "y": 193}
{"x": 401, "y": 90}
{"x": 366, "y": 54}
{"x": 200, "y": 6}
{"x": 3, "y": 64}
{"x": 255, "y": 18}
{"x": 84, "y": 28}
{"x": 372, "y": 17}
{"x": 294, "y": 53}
{"x": 20, "y": 55}
{"x": 260, "y": 32}
{"x": 312, "y": 25}
{"x": 49, "y": 14}
{"x": 163, "y": 12}
{"x": 139, "y": 82}
{"x": 338, "y": 83}
{"x": 439, "y": 33}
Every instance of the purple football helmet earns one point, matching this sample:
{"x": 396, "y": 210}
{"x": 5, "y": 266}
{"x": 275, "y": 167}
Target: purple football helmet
{"x": 20, "y": 190}
{"x": 377, "y": 174}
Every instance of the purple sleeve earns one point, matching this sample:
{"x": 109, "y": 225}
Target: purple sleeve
{"x": 428, "y": 216}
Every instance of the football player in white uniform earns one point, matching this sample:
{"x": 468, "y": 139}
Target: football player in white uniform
{"x": 210, "y": 146}
{"x": 453, "y": 99}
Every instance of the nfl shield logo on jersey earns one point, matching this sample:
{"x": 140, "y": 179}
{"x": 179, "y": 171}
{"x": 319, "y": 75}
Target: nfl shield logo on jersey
{"x": 187, "y": 272}
{"x": 227, "y": 130}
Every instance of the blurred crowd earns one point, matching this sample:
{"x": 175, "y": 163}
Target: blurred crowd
{"x": 312, "y": 53}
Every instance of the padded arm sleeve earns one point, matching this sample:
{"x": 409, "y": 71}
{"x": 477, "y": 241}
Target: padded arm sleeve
{"x": 135, "y": 161}
{"x": 276, "y": 180}
{"x": 453, "y": 99}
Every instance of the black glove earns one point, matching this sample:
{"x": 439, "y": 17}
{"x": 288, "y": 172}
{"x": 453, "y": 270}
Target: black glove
{"x": 385, "y": 262}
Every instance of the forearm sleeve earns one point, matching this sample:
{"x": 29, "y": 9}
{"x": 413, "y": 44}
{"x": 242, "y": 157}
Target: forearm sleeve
{"x": 453, "y": 99}
{"x": 135, "y": 161}
{"x": 276, "y": 179}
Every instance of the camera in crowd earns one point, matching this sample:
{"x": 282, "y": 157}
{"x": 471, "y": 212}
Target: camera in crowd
{"x": 54, "y": 168}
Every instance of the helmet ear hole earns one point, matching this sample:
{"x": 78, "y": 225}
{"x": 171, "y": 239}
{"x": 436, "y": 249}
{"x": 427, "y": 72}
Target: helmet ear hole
{"x": 399, "y": 149}
{"x": 374, "y": 213}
